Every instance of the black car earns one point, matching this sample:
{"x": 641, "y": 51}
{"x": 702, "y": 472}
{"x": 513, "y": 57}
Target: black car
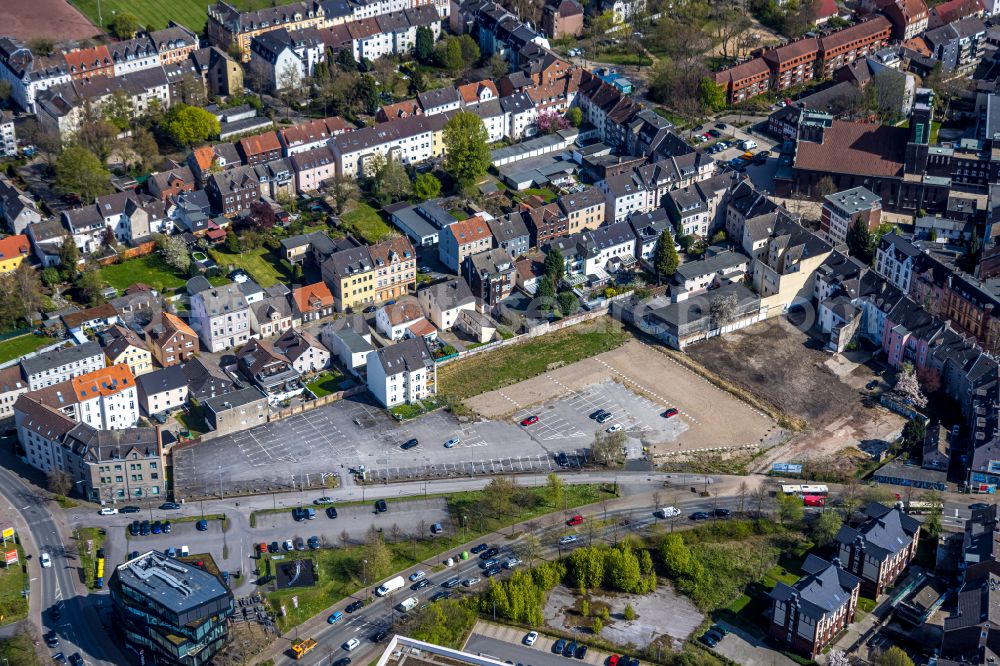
{"x": 52, "y": 640}
{"x": 129, "y": 509}
{"x": 598, "y": 414}
{"x": 370, "y": 309}
{"x": 409, "y": 444}
{"x": 631, "y": 662}
{"x": 420, "y": 584}
{"x": 133, "y": 529}
{"x": 56, "y": 613}
{"x": 723, "y": 513}
{"x": 714, "y": 133}
{"x": 570, "y": 649}
{"x": 455, "y": 581}
{"x": 169, "y": 506}
{"x": 355, "y": 606}
{"x": 562, "y": 459}
{"x": 700, "y": 515}
{"x": 709, "y": 639}
{"x": 438, "y": 596}
{"x": 166, "y": 527}
{"x": 722, "y": 631}
{"x": 75, "y": 659}
{"x": 872, "y": 385}
{"x": 492, "y": 571}
{"x": 272, "y": 547}
{"x": 379, "y": 636}
{"x": 331, "y": 512}
{"x": 343, "y": 661}
{"x": 581, "y": 652}
{"x": 144, "y": 528}
{"x": 475, "y": 550}
{"x": 488, "y": 553}
{"x": 558, "y": 646}
{"x": 381, "y": 506}
{"x": 299, "y": 543}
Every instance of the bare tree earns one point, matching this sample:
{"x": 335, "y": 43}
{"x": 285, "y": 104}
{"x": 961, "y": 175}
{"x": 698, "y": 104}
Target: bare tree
{"x": 742, "y": 492}
{"x": 724, "y": 310}
{"x": 345, "y": 538}
{"x": 760, "y": 497}
{"x": 58, "y": 481}
{"x": 396, "y": 532}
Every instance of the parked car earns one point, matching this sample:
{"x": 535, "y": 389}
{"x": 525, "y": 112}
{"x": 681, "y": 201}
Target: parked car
{"x": 722, "y": 631}
{"x": 109, "y": 511}
{"x": 469, "y": 582}
{"x": 288, "y": 545}
{"x": 452, "y": 443}
{"x": 672, "y": 411}
{"x": 568, "y": 539}
{"x": 436, "y": 528}
{"x": 144, "y": 528}
{"x": 334, "y": 617}
{"x": 343, "y": 661}
{"x": 166, "y": 527}
{"x": 581, "y": 652}
{"x": 569, "y": 649}
{"x": 157, "y": 527}
{"x": 409, "y": 444}
{"x": 313, "y": 542}
{"x": 575, "y": 520}
{"x": 273, "y": 547}
{"x": 331, "y": 512}
{"x": 723, "y": 513}
{"x": 170, "y": 506}
{"x": 531, "y": 638}
{"x": 558, "y": 646}
{"x": 488, "y": 553}
{"x": 420, "y": 584}
{"x": 129, "y": 509}
{"x": 299, "y": 543}
{"x": 52, "y": 639}
{"x": 133, "y": 529}
{"x": 531, "y": 420}
{"x": 417, "y": 575}
{"x": 355, "y": 606}
{"x": 323, "y": 500}
{"x": 201, "y": 525}
{"x": 298, "y": 513}
{"x": 615, "y": 428}
{"x": 381, "y": 506}
{"x": 709, "y": 639}
{"x": 699, "y": 515}
{"x": 438, "y": 596}
{"x": 492, "y": 571}
{"x": 454, "y": 581}
{"x": 475, "y": 550}
{"x": 605, "y": 417}
{"x": 715, "y": 133}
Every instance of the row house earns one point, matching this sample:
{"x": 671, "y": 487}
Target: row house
{"x": 806, "y": 615}
{"x": 490, "y": 275}
{"x": 133, "y": 55}
{"x": 510, "y": 233}
{"x": 229, "y": 26}
{"x": 745, "y": 80}
{"x": 29, "y": 74}
{"x": 164, "y": 390}
{"x": 606, "y": 108}
{"x": 395, "y": 264}
{"x": 793, "y": 64}
{"x": 672, "y": 173}
{"x": 277, "y": 178}
{"x": 312, "y": 302}
{"x": 175, "y": 43}
{"x": 852, "y": 43}
{"x": 206, "y": 159}
{"x": 84, "y": 64}
{"x": 313, "y": 168}
{"x": 62, "y": 364}
{"x": 259, "y": 148}
{"x": 698, "y": 210}
{"x": 350, "y": 275}
{"x": 409, "y": 140}
{"x": 232, "y": 192}
{"x": 271, "y": 316}
{"x": 311, "y": 134}
{"x": 462, "y": 239}
{"x": 909, "y": 18}
{"x": 165, "y": 184}
{"x": 894, "y": 260}
{"x": 586, "y": 209}
{"x": 879, "y": 549}
{"x": 122, "y": 345}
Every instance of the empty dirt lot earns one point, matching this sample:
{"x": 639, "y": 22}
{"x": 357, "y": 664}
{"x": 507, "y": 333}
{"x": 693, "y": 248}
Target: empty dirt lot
{"x": 717, "y": 420}
{"x": 55, "y": 19}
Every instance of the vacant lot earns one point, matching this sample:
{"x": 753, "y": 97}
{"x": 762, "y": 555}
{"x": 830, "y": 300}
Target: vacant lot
{"x": 364, "y": 222}
{"x": 28, "y": 19}
{"x": 508, "y": 365}
{"x": 150, "y": 269}
{"x": 189, "y": 13}
{"x": 262, "y": 265}
{"x": 13, "y": 579}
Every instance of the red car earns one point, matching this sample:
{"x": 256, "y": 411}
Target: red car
{"x": 530, "y": 420}
{"x": 575, "y": 520}
{"x": 670, "y": 412}
{"x": 613, "y": 660}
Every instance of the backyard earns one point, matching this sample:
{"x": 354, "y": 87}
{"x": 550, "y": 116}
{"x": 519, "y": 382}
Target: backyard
{"x": 150, "y": 269}
{"x": 13, "y": 580}
{"x": 509, "y": 365}
{"x": 364, "y": 221}
{"x": 338, "y": 570}
{"x": 262, "y": 265}
{"x": 189, "y": 13}
{"x": 325, "y": 383}
{"x": 21, "y": 345}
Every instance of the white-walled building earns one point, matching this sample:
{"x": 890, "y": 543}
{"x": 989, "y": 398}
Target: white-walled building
{"x": 107, "y": 398}
{"x": 61, "y": 365}
{"x": 402, "y": 373}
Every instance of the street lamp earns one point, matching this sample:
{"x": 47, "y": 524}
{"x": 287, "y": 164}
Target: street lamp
{"x": 364, "y": 568}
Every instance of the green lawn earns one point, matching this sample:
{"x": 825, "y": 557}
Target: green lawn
{"x": 150, "y": 269}
{"x": 189, "y": 13}
{"x": 364, "y": 222}
{"x": 20, "y": 649}
{"x": 339, "y": 570}
{"x": 262, "y": 265}
{"x": 88, "y": 558}
{"x": 13, "y": 604}
{"x": 325, "y": 383}
{"x": 509, "y": 365}
{"x": 21, "y": 345}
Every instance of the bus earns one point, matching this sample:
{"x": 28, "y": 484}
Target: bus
{"x": 915, "y": 507}
{"x": 303, "y": 647}
{"x": 803, "y": 490}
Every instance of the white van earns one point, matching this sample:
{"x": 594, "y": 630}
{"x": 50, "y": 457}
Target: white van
{"x": 407, "y": 604}
{"x": 667, "y": 512}
{"x": 748, "y": 144}
{"x": 185, "y": 551}
{"x": 390, "y": 585}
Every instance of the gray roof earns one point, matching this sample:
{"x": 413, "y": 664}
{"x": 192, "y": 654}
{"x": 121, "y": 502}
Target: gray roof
{"x": 723, "y": 261}
{"x": 449, "y": 294}
{"x": 164, "y": 379}
{"x": 886, "y": 531}
{"x": 421, "y": 220}
{"x": 823, "y": 589}
{"x": 348, "y": 262}
{"x": 233, "y": 399}
{"x": 221, "y": 300}
{"x": 409, "y": 355}
{"x": 508, "y": 227}
{"x": 186, "y": 590}
{"x": 854, "y": 200}
{"x": 588, "y": 198}
{"x": 354, "y": 342}
{"x": 204, "y": 380}
{"x": 60, "y": 357}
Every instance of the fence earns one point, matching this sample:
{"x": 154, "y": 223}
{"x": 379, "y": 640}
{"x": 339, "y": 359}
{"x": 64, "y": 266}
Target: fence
{"x": 318, "y": 402}
{"x": 129, "y": 253}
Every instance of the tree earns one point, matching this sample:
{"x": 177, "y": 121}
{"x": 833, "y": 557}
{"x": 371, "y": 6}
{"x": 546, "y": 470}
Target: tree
{"x": 498, "y": 495}
{"x": 389, "y": 178}
{"x": 233, "y": 242}
{"x": 546, "y": 292}
{"x": 711, "y": 96}
{"x": 470, "y": 50}
{"x": 723, "y": 310}
{"x": 825, "y": 187}
{"x": 378, "y": 556}
{"x": 596, "y": 626}
{"x": 554, "y": 487}
{"x": 555, "y": 265}
{"x": 886, "y": 94}
{"x": 343, "y": 189}
{"x": 448, "y": 54}
{"x": 790, "y": 508}
{"x": 575, "y": 116}
{"x": 145, "y": 146}
{"x": 586, "y": 567}
{"x": 467, "y": 152}
{"x": 69, "y": 257}
{"x": 607, "y": 446}
{"x": 859, "y": 241}
{"x": 189, "y": 125}
{"x": 907, "y": 389}
{"x": 174, "y": 251}
{"x": 548, "y": 122}
{"x": 42, "y": 46}
{"x": 89, "y": 285}
{"x": 261, "y": 216}
{"x": 837, "y": 658}
{"x": 425, "y": 44}
{"x": 665, "y": 258}
{"x": 426, "y": 186}
{"x": 621, "y": 569}
{"x": 914, "y": 431}
{"x": 289, "y": 81}
{"x": 124, "y": 25}
{"x": 58, "y": 481}
{"x": 51, "y": 277}
{"x": 894, "y": 656}
{"x": 78, "y": 171}
{"x": 569, "y": 304}
{"x": 499, "y": 67}
{"x": 825, "y": 529}
{"x": 932, "y": 523}
{"x": 676, "y": 555}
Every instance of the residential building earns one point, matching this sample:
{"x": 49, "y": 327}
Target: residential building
{"x": 227, "y": 25}
{"x": 303, "y": 351}
{"x": 582, "y": 210}
{"x": 350, "y": 340}
{"x": 402, "y": 373}
{"x": 395, "y": 266}
{"x": 625, "y": 194}
{"x": 207, "y": 159}
{"x": 259, "y": 148}
{"x": 17, "y": 208}
{"x": 350, "y": 274}
{"x": 908, "y": 17}
{"x": 175, "y": 43}
{"x": 894, "y": 259}
{"x": 400, "y": 320}
{"x": 709, "y": 273}
{"x": 270, "y": 371}
{"x": 29, "y": 74}
{"x": 785, "y": 258}
{"x": 8, "y": 136}
{"x": 166, "y": 184}
{"x": 313, "y": 168}
{"x": 510, "y": 233}
{"x": 410, "y": 140}
{"x": 206, "y": 380}
{"x": 793, "y": 64}
{"x": 464, "y": 238}
{"x": 442, "y": 302}
{"x": 855, "y": 42}
{"x": 970, "y": 634}
{"x": 311, "y": 134}
{"x": 13, "y": 251}
{"x": 312, "y": 302}
{"x": 744, "y": 80}
{"x": 421, "y": 222}
{"x": 123, "y": 345}
{"x": 270, "y": 316}
{"x": 841, "y": 211}
{"x": 170, "y": 340}
{"x": 491, "y": 275}
{"x": 231, "y": 192}
{"x": 133, "y": 55}
{"x": 281, "y": 60}
{"x": 107, "y": 398}
{"x": 648, "y": 227}
{"x": 958, "y": 46}
{"x": 163, "y": 390}
{"x": 62, "y": 364}
{"x": 879, "y": 549}
{"x": 85, "y": 64}
{"x": 12, "y": 385}
{"x": 562, "y": 18}
{"x": 221, "y": 316}
{"x": 808, "y": 614}
{"x": 170, "y": 611}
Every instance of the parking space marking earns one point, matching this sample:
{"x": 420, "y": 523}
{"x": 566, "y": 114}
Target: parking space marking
{"x": 628, "y": 380}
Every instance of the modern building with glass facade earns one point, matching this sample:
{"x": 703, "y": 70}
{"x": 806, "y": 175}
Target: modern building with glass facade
{"x": 170, "y": 612}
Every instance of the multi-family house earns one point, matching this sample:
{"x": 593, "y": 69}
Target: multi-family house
{"x": 793, "y": 64}
{"x": 402, "y": 373}
{"x": 8, "y": 134}
{"x": 648, "y": 227}
{"x": 269, "y": 371}
{"x": 303, "y": 351}
{"x": 464, "y": 238}
{"x": 520, "y": 113}
{"x": 785, "y": 257}
{"x": 908, "y": 17}
{"x": 170, "y": 340}
{"x": 311, "y": 134}
{"x": 402, "y": 319}
{"x": 491, "y": 275}
{"x": 281, "y": 60}
{"x": 439, "y": 100}
{"x": 221, "y": 317}
{"x": 562, "y": 18}
{"x": 165, "y": 184}
{"x": 87, "y": 63}
{"x": 123, "y": 345}
{"x": 350, "y": 274}
{"x": 510, "y": 233}
{"x": 410, "y": 140}
{"x": 697, "y": 209}
{"x": 29, "y": 74}
{"x": 855, "y": 42}
{"x": 206, "y": 160}
{"x": 693, "y": 277}
{"x": 259, "y": 148}
{"x": 62, "y": 364}
{"x": 879, "y": 549}
{"x": 806, "y": 615}
{"x": 583, "y": 210}
{"x": 17, "y": 208}
{"x": 270, "y": 316}
{"x": 443, "y": 301}
{"x": 395, "y": 264}
{"x": 970, "y": 634}
{"x": 625, "y": 194}
{"x": 229, "y": 26}
{"x": 313, "y": 168}
{"x": 350, "y": 340}
{"x": 232, "y": 192}
{"x": 546, "y": 222}
{"x": 745, "y": 80}
{"x": 841, "y": 211}
{"x": 106, "y": 399}
{"x": 174, "y": 43}
{"x": 133, "y": 55}
{"x": 312, "y": 302}
{"x": 163, "y": 390}
{"x": 894, "y": 260}
{"x": 958, "y": 46}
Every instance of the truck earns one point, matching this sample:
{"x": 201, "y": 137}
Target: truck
{"x": 407, "y": 605}
{"x": 390, "y": 585}
{"x": 303, "y": 647}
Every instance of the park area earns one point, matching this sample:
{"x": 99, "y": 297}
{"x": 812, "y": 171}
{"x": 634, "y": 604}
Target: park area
{"x": 261, "y": 264}
{"x": 189, "y": 13}
{"x": 150, "y": 269}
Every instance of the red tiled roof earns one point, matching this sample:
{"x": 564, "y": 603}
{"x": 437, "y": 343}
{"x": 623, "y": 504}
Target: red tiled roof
{"x": 260, "y": 143}
{"x": 794, "y": 50}
{"x": 14, "y": 246}
{"x": 746, "y": 70}
{"x": 470, "y": 91}
{"x": 105, "y": 382}
{"x": 864, "y": 30}
{"x": 827, "y": 8}
{"x": 312, "y": 296}
{"x": 954, "y": 10}
{"x": 470, "y": 230}
{"x": 863, "y": 149}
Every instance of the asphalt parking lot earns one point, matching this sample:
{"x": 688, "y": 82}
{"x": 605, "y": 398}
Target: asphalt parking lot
{"x": 517, "y": 653}
{"x": 305, "y": 450}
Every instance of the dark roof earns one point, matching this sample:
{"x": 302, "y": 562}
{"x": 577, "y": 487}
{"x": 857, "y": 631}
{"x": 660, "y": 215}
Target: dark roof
{"x": 60, "y": 357}
{"x": 823, "y": 589}
{"x": 887, "y": 531}
{"x": 164, "y": 379}
{"x": 861, "y": 149}
{"x": 409, "y": 355}
{"x": 233, "y": 399}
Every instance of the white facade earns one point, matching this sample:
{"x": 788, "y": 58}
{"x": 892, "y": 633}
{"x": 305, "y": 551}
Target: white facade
{"x": 166, "y": 400}
{"x": 88, "y": 358}
{"x": 115, "y": 411}
{"x": 402, "y": 387}
{"x": 894, "y": 266}
{"x": 313, "y": 359}
{"x": 8, "y": 141}
{"x": 221, "y": 317}
{"x": 138, "y": 63}
{"x": 600, "y": 260}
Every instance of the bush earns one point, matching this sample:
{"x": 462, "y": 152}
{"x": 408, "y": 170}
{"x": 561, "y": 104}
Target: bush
{"x": 629, "y": 613}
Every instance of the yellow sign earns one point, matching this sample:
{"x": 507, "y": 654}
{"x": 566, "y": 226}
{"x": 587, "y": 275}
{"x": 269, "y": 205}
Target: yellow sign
{"x": 8, "y": 533}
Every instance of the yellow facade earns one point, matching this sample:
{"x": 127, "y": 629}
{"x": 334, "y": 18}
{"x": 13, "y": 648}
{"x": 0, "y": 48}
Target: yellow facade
{"x": 357, "y": 291}
{"x": 11, "y": 264}
{"x": 137, "y": 359}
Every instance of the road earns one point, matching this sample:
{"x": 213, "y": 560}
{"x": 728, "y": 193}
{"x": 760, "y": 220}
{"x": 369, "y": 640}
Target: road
{"x": 79, "y": 626}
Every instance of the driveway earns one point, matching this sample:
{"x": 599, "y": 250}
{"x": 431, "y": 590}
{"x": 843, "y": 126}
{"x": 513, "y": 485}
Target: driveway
{"x": 744, "y": 649}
